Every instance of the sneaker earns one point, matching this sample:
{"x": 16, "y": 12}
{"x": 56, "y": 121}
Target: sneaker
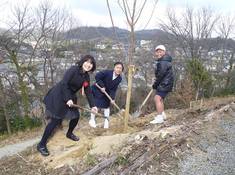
{"x": 106, "y": 123}
{"x": 92, "y": 123}
{"x": 164, "y": 115}
{"x": 157, "y": 120}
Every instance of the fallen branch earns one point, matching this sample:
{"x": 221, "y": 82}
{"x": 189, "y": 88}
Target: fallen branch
{"x": 101, "y": 166}
{"x": 211, "y": 115}
{"x": 145, "y": 158}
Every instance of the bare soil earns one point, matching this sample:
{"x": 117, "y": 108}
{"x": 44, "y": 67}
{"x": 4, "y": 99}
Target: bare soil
{"x": 142, "y": 149}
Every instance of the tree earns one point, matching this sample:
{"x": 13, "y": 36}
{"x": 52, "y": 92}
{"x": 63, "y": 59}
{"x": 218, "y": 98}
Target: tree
{"x": 199, "y": 75}
{"x": 13, "y": 41}
{"x": 190, "y": 29}
{"x": 52, "y": 23}
{"x": 132, "y": 11}
{"x": 225, "y": 30}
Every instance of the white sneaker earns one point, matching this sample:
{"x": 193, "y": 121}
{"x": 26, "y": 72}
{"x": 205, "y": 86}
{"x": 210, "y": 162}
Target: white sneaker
{"x": 164, "y": 115}
{"x": 92, "y": 123}
{"x": 158, "y": 119}
{"x": 106, "y": 123}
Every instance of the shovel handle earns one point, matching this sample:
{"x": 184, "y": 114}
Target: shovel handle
{"x": 108, "y": 97}
{"x": 146, "y": 99}
{"x": 88, "y": 110}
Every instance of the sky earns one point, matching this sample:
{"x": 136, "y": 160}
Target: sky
{"x": 95, "y": 12}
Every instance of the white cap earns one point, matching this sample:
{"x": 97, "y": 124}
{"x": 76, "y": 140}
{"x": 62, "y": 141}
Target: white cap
{"x": 161, "y": 47}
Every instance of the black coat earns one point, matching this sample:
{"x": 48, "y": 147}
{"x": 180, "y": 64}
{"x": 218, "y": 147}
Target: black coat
{"x": 66, "y": 89}
{"x": 164, "y": 74}
{"x": 105, "y": 79}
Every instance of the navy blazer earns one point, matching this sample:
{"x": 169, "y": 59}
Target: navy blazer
{"x": 105, "y": 79}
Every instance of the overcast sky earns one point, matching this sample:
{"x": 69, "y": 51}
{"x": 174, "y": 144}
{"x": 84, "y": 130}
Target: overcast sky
{"x": 95, "y": 12}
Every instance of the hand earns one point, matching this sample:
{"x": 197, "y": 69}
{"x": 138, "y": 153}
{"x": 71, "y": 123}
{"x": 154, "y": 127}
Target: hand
{"x": 154, "y": 86}
{"x": 102, "y": 90}
{"x": 69, "y": 103}
{"x": 94, "y": 109}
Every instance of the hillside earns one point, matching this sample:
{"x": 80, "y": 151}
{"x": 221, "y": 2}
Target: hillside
{"x": 92, "y": 33}
{"x": 200, "y": 140}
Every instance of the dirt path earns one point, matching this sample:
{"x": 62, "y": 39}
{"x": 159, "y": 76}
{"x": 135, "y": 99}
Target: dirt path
{"x": 10, "y": 150}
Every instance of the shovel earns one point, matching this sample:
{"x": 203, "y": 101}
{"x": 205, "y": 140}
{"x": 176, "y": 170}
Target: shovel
{"x": 107, "y": 95}
{"x": 139, "y": 111}
{"x": 88, "y": 110}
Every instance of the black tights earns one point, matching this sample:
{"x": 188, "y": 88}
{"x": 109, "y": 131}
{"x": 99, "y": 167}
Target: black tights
{"x": 52, "y": 125}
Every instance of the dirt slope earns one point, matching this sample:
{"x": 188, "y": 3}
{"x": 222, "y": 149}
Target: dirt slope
{"x": 169, "y": 148}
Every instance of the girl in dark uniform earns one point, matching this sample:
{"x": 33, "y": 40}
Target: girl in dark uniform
{"x": 108, "y": 80}
{"x": 62, "y": 96}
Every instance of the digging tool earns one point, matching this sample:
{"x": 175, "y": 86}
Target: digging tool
{"x": 88, "y": 110}
{"x": 107, "y": 95}
{"x": 139, "y": 111}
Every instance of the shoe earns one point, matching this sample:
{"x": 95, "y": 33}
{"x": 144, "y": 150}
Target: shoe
{"x": 92, "y": 123}
{"x": 164, "y": 115}
{"x": 43, "y": 150}
{"x": 106, "y": 123}
{"x": 72, "y": 137}
{"x": 157, "y": 120}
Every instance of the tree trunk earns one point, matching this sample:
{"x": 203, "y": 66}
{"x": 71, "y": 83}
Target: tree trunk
{"x": 228, "y": 78}
{"x": 128, "y": 97}
{"x": 22, "y": 84}
{"x": 3, "y": 102}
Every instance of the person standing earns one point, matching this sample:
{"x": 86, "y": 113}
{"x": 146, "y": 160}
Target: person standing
{"x": 60, "y": 99}
{"x": 108, "y": 80}
{"x": 163, "y": 83}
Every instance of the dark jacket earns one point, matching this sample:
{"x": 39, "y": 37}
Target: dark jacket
{"x": 104, "y": 79}
{"x": 66, "y": 89}
{"x": 164, "y": 74}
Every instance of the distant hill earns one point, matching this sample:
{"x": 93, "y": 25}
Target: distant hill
{"x": 93, "y": 33}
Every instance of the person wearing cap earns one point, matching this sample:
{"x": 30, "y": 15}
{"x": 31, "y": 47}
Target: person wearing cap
{"x": 109, "y": 81}
{"x": 163, "y": 83}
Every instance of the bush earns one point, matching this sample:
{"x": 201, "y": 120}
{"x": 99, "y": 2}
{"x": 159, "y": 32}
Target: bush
{"x": 22, "y": 123}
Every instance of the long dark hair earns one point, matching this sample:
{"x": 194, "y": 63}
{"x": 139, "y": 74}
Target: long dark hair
{"x": 86, "y": 58}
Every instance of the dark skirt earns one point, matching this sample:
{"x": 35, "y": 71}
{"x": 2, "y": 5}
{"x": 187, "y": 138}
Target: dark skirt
{"x": 102, "y": 102}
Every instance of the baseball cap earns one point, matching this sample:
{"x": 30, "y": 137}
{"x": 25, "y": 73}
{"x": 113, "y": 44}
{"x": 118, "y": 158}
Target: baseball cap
{"x": 161, "y": 47}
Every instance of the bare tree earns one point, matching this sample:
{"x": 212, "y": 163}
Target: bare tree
{"x": 132, "y": 11}
{"x": 13, "y": 42}
{"x": 225, "y": 31}
{"x": 190, "y": 29}
{"x": 3, "y": 103}
{"x": 52, "y": 23}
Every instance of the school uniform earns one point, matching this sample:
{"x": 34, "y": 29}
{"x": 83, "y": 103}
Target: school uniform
{"x": 110, "y": 82}
{"x": 57, "y": 97}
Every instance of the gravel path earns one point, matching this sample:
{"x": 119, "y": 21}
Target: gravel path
{"x": 216, "y": 155}
{"x": 10, "y": 150}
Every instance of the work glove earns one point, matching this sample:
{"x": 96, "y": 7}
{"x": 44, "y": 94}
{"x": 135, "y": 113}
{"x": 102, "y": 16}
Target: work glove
{"x": 69, "y": 103}
{"x": 94, "y": 109}
{"x": 154, "y": 86}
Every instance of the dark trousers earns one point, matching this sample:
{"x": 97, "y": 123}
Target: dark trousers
{"x": 52, "y": 125}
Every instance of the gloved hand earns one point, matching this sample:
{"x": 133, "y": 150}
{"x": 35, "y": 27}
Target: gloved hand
{"x": 112, "y": 101}
{"x": 154, "y": 86}
{"x": 94, "y": 109}
{"x": 69, "y": 103}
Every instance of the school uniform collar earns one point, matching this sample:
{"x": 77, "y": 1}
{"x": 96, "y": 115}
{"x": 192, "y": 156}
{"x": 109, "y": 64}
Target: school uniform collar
{"x": 114, "y": 76}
